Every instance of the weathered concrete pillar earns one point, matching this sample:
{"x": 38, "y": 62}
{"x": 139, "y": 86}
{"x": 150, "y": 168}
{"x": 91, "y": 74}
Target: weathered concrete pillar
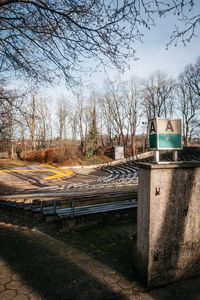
{"x": 168, "y": 228}
{"x": 119, "y": 152}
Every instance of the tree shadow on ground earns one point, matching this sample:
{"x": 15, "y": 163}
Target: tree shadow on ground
{"x": 5, "y": 188}
{"x": 30, "y": 178}
{"x": 53, "y": 268}
{"x": 111, "y": 242}
{"x": 80, "y": 264}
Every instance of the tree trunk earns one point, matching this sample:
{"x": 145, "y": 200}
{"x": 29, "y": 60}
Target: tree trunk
{"x": 10, "y": 141}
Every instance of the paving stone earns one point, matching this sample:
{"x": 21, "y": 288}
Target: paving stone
{"x": 109, "y": 271}
{"x": 22, "y": 297}
{"x": 97, "y": 273}
{"x": 115, "y": 288}
{"x": 7, "y": 294}
{"x": 6, "y": 271}
{"x": 4, "y": 280}
{"x": 125, "y": 284}
{"x": 76, "y": 279}
{"x": 16, "y": 276}
{"x": 2, "y": 288}
{"x": 25, "y": 290}
{"x": 35, "y": 296}
{"x": 12, "y": 285}
{"x": 110, "y": 278}
{"x": 127, "y": 292}
{"x": 138, "y": 288}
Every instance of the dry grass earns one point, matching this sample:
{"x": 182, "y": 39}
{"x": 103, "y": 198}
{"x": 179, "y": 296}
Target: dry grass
{"x": 7, "y": 163}
{"x": 95, "y": 160}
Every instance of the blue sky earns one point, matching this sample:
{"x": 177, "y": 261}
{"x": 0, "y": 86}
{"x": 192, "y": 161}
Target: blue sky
{"x": 152, "y": 56}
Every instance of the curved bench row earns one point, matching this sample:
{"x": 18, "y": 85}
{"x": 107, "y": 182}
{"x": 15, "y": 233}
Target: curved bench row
{"x": 117, "y": 174}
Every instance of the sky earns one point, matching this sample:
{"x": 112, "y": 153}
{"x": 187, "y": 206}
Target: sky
{"x": 152, "y": 56}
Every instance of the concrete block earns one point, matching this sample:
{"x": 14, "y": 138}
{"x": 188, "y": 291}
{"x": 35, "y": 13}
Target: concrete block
{"x": 119, "y": 152}
{"x": 168, "y": 228}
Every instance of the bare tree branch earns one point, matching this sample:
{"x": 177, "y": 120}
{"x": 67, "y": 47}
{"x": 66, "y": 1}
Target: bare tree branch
{"x": 45, "y": 39}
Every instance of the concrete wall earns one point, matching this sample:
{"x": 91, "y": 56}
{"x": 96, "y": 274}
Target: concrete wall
{"x": 168, "y": 237}
{"x": 119, "y": 152}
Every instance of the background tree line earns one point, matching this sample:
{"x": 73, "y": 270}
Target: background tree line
{"x": 112, "y": 116}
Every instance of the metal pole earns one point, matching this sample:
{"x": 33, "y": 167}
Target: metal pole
{"x": 156, "y": 156}
{"x": 175, "y": 155}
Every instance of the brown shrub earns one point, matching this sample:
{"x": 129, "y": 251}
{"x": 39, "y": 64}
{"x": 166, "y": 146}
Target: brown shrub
{"x": 69, "y": 152}
{"x": 50, "y": 154}
{"x": 37, "y": 156}
{"x": 59, "y": 156}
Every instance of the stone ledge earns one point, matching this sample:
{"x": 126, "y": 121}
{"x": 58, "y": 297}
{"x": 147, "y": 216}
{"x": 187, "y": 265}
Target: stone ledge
{"x": 168, "y": 165}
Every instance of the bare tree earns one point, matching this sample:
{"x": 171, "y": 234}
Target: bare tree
{"x": 189, "y": 101}
{"x": 10, "y": 130}
{"x": 44, "y": 124}
{"x": 93, "y": 131}
{"x": 10, "y": 104}
{"x": 114, "y": 102}
{"x": 106, "y": 122}
{"x": 132, "y": 93}
{"x": 42, "y": 38}
{"x": 80, "y": 115}
{"x": 157, "y": 95}
{"x": 62, "y": 114}
{"x": 191, "y": 75}
{"x": 74, "y": 124}
{"x": 31, "y": 116}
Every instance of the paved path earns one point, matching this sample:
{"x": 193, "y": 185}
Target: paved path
{"x": 44, "y": 168}
{"x": 37, "y": 261}
{"x": 39, "y": 177}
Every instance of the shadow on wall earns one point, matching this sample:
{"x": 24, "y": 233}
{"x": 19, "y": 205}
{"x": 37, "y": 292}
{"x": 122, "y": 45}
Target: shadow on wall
{"x": 176, "y": 250}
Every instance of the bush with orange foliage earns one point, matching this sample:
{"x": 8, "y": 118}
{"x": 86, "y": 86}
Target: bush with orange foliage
{"x": 51, "y": 155}
{"x": 36, "y": 155}
{"x": 40, "y": 156}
